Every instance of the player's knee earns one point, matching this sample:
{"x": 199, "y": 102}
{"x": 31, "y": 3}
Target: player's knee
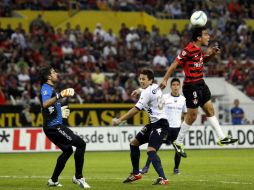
{"x": 151, "y": 155}
{"x": 69, "y": 152}
{"x": 134, "y": 142}
{"x": 151, "y": 149}
{"x": 81, "y": 144}
{"x": 192, "y": 117}
{"x": 66, "y": 154}
{"x": 210, "y": 112}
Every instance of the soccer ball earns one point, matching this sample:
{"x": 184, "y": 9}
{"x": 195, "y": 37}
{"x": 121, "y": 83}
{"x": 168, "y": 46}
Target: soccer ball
{"x": 198, "y": 18}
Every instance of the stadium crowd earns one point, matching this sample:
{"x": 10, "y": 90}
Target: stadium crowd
{"x": 102, "y": 65}
{"x": 165, "y": 8}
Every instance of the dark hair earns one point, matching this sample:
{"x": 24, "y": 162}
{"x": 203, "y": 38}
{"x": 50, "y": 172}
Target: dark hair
{"x": 149, "y": 73}
{"x": 45, "y": 72}
{"x": 197, "y": 32}
{"x": 174, "y": 80}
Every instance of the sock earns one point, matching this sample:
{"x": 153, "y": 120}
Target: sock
{"x": 135, "y": 155}
{"x": 155, "y": 159}
{"x": 61, "y": 161}
{"x": 79, "y": 157}
{"x": 183, "y": 131}
{"x": 177, "y": 161}
{"x": 216, "y": 126}
{"x": 148, "y": 162}
{"x": 79, "y": 162}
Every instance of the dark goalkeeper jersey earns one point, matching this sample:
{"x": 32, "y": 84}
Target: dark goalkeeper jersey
{"x": 191, "y": 59}
{"x": 52, "y": 115}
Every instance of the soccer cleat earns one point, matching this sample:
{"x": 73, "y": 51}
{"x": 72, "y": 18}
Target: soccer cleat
{"x": 133, "y": 177}
{"x": 144, "y": 170}
{"x": 81, "y": 182}
{"x": 161, "y": 181}
{"x": 226, "y": 140}
{"x": 53, "y": 184}
{"x": 176, "y": 171}
{"x": 179, "y": 149}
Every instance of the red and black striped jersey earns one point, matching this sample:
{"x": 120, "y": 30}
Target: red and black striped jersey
{"x": 191, "y": 59}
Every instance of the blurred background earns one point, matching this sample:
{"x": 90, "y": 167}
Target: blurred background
{"x": 99, "y": 46}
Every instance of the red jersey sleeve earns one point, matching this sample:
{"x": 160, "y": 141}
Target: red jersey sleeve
{"x": 182, "y": 57}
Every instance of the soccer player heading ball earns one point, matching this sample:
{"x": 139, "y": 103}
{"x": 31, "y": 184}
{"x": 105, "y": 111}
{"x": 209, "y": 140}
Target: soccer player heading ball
{"x": 195, "y": 90}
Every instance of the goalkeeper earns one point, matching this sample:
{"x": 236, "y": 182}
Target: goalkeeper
{"x": 60, "y": 135}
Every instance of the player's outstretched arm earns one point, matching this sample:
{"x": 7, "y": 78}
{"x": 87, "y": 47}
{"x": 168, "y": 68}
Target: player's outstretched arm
{"x": 136, "y": 92}
{"x": 133, "y": 111}
{"x": 64, "y": 93}
{"x": 211, "y": 52}
{"x": 169, "y": 72}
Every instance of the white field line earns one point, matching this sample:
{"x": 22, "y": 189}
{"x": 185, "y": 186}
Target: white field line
{"x": 118, "y": 179}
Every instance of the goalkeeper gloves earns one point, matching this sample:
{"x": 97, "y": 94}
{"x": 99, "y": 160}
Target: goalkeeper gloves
{"x": 65, "y": 112}
{"x": 65, "y": 93}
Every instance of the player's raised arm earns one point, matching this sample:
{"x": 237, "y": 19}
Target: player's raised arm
{"x": 169, "y": 72}
{"x": 211, "y": 52}
{"x": 47, "y": 102}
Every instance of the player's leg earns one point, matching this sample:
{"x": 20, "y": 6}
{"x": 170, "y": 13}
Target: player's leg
{"x": 63, "y": 141}
{"x": 177, "y": 159}
{"x": 135, "y": 156}
{"x": 156, "y": 139}
{"x": 146, "y": 167}
{"x": 80, "y": 145}
{"x": 60, "y": 164}
{"x": 192, "y": 95}
{"x": 208, "y": 108}
{"x": 210, "y": 113}
{"x": 79, "y": 156}
{"x": 141, "y": 138}
{"x": 185, "y": 127}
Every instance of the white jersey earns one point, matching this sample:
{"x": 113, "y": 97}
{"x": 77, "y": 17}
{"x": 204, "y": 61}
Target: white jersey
{"x": 151, "y": 100}
{"x": 174, "y": 107}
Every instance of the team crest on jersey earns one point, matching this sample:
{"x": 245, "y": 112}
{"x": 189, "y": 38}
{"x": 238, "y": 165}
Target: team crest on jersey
{"x": 45, "y": 92}
{"x": 155, "y": 90}
{"x": 184, "y": 53}
{"x": 195, "y": 101}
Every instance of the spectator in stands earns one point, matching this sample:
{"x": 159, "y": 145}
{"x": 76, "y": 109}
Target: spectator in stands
{"x": 37, "y": 23}
{"x": 99, "y": 31}
{"x": 109, "y": 50}
{"x": 173, "y": 36}
{"x": 3, "y": 99}
{"x": 19, "y": 38}
{"x": 237, "y": 113}
{"x": 26, "y": 117}
{"x": 133, "y": 40}
{"x": 123, "y": 31}
{"x": 110, "y": 37}
{"x": 249, "y": 89}
{"x": 160, "y": 62}
{"x": 97, "y": 76}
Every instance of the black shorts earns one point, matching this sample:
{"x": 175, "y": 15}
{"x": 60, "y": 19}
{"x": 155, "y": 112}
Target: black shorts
{"x": 196, "y": 94}
{"x": 62, "y": 137}
{"x": 154, "y": 134}
{"x": 173, "y": 133}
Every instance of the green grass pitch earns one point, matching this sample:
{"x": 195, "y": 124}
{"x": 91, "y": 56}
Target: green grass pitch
{"x": 202, "y": 170}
